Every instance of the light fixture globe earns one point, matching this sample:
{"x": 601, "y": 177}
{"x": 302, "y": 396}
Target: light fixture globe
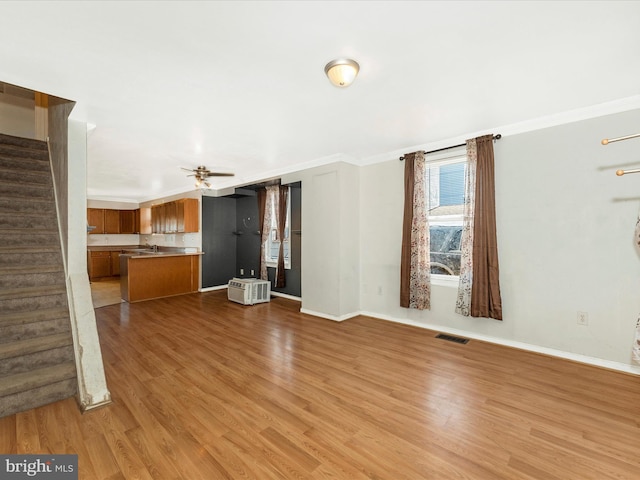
{"x": 342, "y": 72}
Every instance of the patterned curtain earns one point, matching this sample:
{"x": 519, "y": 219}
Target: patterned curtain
{"x": 635, "y": 352}
{"x": 463, "y": 303}
{"x": 281, "y": 218}
{"x": 269, "y": 211}
{"x": 479, "y": 287}
{"x": 415, "y": 275}
{"x": 262, "y": 208}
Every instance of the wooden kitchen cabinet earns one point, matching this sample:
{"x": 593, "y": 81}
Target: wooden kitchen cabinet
{"x": 179, "y": 216}
{"x": 115, "y": 263}
{"x": 170, "y": 219}
{"x": 128, "y": 221}
{"x": 99, "y": 264}
{"x": 104, "y": 219}
{"x": 111, "y": 221}
{"x": 144, "y": 220}
{"x": 103, "y": 263}
{"x": 95, "y": 218}
{"x": 188, "y": 220}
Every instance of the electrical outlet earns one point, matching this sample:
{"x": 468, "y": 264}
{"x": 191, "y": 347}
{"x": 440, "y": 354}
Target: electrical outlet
{"x": 379, "y": 289}
{"x": 252, "y": 273}
{"x": 583, "y": 318}
{"x": 242, "y": 271}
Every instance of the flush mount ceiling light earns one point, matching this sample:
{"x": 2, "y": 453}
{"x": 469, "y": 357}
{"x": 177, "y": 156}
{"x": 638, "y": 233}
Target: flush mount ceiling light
{"x": 342, "y": 72}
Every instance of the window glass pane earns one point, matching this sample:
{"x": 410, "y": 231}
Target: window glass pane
{"x": 273, "y": 243}
{"x": 446, "y": 187}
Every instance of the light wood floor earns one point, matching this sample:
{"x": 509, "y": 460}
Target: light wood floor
{"x": 105, "y": 291}
{"x": 208, "y": 389}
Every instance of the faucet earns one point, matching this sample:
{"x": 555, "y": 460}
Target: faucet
{"x": 152, "y": 247}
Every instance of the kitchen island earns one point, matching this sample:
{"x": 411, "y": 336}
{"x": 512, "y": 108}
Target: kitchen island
{"x": 145, "y": 275}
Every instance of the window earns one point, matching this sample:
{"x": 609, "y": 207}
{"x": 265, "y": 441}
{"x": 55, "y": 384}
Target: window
{"x": 446, "y": 209}
{"x": 273, "y": 243}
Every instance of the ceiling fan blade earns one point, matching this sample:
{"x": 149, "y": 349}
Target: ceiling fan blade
{"x": 219, "y": 174}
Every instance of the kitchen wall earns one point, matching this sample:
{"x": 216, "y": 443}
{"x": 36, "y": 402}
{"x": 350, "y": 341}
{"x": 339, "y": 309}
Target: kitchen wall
{"x": 565, "y": 225}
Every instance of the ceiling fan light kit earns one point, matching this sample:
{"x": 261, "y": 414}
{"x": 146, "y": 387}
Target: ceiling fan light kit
{"x": 201, "y": 173}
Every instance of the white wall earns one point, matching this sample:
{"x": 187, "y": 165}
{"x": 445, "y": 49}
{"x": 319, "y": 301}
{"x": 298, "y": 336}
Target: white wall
{"x": 330, "y": 240}
{"x": 565, "y": 230}
{"x": 92, "y": 386}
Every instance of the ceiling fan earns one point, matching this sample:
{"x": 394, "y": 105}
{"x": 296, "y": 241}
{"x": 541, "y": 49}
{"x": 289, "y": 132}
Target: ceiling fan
{"x": 202, "y": 173}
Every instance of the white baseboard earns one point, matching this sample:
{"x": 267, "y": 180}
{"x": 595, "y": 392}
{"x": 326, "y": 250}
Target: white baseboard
{"x": 211, "y": 289}
{"x": 335, "y": 318}
{"x": 598, "y": 362}
{"x": 285, "y": 295}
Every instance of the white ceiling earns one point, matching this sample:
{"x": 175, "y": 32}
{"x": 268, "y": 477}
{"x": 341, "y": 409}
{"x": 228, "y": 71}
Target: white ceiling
{"x": 239, "y": 86}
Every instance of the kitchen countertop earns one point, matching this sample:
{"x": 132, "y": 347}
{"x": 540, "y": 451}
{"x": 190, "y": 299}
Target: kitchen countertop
{"x": 142, "y": 251}
{"x": 112, "y": 248}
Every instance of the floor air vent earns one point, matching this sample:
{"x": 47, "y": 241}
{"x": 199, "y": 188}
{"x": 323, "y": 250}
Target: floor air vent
{"x": 451, "y": 338}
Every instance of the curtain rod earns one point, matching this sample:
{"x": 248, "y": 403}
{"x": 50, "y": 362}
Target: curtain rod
{"x": 607, "y": 141}
{"x": 495, "y": 137}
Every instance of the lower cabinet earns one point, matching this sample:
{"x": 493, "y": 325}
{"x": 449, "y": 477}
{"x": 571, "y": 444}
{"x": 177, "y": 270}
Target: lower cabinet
{"x": 103, "y": 263}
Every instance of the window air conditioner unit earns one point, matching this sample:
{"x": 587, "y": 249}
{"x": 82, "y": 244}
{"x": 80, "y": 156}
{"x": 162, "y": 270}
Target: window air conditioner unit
{"x": 249, "y": 291}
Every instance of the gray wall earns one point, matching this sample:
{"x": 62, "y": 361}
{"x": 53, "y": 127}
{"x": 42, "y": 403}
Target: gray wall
{"x": 218, "y": 240}
{"x": 231, "y": 241}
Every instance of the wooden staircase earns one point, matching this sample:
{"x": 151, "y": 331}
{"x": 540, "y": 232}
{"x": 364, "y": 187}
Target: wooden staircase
{"x": 37, "y": 364}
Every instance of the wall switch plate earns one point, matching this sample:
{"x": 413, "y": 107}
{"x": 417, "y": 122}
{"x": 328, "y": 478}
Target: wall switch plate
{"x": 242, "y": 271}
{"x": 252, "y": 273}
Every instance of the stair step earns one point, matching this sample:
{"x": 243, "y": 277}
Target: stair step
{"x": 22, "y": 176}
{"x": 32, "y": 316}
{"x": 22, "y": 142}
{"x": 30, "y": 261}
{"x": 26, "y": 303}
{"x": 28, "y": 237}
{"x": 27, "y": 220}
{"x": 23, "y": 382}
{"x": 23, "y": 292}
{"x": 15, "y": 191}
{"x": 23, "y": 331}
{"x": 32, "y": 279}
{"x": 21, "y": 269}
{"x": 29, "y": 249}
{"x": 29, "y": 154}
{"x": 33, "y": 345}
{"x": 46, "y": 394}
{"x": 25, "y": 164}
{"x": 32, "y": 361}
{"x": 42, "y": 206}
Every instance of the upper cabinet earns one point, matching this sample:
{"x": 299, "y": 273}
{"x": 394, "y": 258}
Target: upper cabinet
{"x": 95, "y": 218}
{"x": 127, "y": 219}
{"x": 110, "y": 221}
{"x": 179, "y": 216}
